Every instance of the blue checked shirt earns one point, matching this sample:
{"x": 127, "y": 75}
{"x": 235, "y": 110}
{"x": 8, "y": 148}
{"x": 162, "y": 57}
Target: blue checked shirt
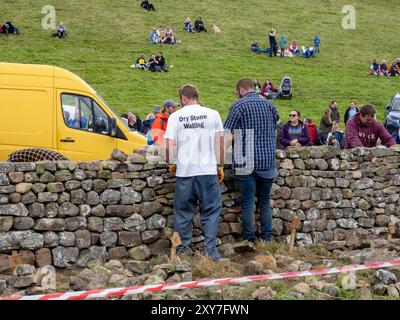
{"x": 253, "y": 112}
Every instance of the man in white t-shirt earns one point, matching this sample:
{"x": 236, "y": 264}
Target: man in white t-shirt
{"x": 192, "y": 130}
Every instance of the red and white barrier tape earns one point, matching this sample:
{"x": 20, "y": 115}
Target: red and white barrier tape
{"x": 114, "y": 292}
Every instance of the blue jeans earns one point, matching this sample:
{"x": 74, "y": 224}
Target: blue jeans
{"x": 188, "y": 191}
{"x": 249, "y": 186}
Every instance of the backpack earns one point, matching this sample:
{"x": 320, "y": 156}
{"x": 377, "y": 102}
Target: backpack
{"x": 149, "y": 134}
{"x": 319, "y": 139}
{"x": 339, "y": 137}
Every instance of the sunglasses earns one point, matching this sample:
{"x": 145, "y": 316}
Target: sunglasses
{"x": 292, "y": 115}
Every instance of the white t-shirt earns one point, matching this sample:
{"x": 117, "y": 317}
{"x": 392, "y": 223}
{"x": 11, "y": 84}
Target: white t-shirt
{"x": 194, "y": 128}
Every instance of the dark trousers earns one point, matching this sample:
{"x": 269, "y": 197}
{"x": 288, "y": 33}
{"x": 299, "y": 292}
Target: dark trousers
{"x": 250, "y": 186}
{"x": 205, "y": 189}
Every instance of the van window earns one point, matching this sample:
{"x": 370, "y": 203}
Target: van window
{"x": 83, "y": 113}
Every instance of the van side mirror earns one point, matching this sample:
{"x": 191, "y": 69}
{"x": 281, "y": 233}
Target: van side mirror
{"x": 113, "y": 127}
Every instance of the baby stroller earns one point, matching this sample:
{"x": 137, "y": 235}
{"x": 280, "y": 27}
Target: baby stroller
{"x": 285, "y": 88}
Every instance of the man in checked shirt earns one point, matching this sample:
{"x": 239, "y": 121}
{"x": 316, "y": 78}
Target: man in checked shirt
{"x": 253, "y": 120}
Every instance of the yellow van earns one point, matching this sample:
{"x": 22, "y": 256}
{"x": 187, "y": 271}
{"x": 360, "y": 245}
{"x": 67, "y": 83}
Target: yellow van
{"x": 52, "y": 108}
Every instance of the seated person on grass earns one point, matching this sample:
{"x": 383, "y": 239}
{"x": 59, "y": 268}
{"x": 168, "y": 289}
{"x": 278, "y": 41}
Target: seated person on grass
{"x": 9, "y": 28}
{"x": 145, "y": 4}
{"x": 154, "y": 37}
{"x": 141, "y": 63}
{"x": 199, "y": 25}
{"x": 188, "y": 25}
{"x": 374, "y": 69}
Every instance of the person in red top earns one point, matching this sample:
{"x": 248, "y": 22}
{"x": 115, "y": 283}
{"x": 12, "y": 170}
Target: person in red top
{"x": 312, "y": 130}
{"x": 159, "y": 125}
{"x": 364, "y": 131}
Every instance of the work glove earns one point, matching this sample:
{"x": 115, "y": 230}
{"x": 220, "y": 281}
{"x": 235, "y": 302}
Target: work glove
{"x": 221, "y": 174}
{"x": 172, "y": 169}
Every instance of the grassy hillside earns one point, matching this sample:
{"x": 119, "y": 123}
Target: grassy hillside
{"x": 104, "y": 39}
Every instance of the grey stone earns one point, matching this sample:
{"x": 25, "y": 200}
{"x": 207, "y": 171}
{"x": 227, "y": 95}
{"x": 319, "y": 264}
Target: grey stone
{"x": 47, "y": 177}
{"x": 277, "y": 227}
{"x": 382, "y": 220}
{"x": 87, "y": 185}
{"x": 32, "y": 241}
{"x": 253, "y": 268}
{"x": 94, "y": 253}
{"x": 28, "y": 198}
{"x": 135, "y": 223}
{"x": 24, "y": 270}
{"x": 17, "y": 210}
{"x": 6, "y": 223}
{"x": 24, "y": 166}
{"x": 51, "y": 210}
{"x": 51, "y": 239}
{"x": 23, "y": 187}
{"x": 150, "y": 236}
{"x": 130, "y": 196}
{"x": 64, "y": 197}
{"x": 78, "y": 196}
{"x": 12, "y": 240}
{"x": 140, "y": 253}
{"x": 110, "y": 197}
{"x": 347, "y": 223}
{"x": 113, "y": 224}
{"x": 65, "y": 257}
{"x": 63, "y": 175}
{"x": 364, "y": 183}
{"x": 129, "y": 239}
{"x": 99, "y": 185}
{"x": 7, "y": 189}
{"x": 49, "y": 224}
{"x": 38, "y": 187}
{"x": 140, "y": 267}
{"x": 83, "y": 239}
{"x": 380, "y": 289}
{"x": 72, "y": 185}
{"x": 85, "y": 210}
{"x": 138, "y": 185}
{"x": 6, "y": 167}
{"x": 95, "y": 224}
{"x": 55, "y": 187}
{"x": 156, "y": 222}
{"x": 150, "y": 208}
{"x": 321, "y": 164}
{"x": 21, "y": 282}
{"x": 119, "y": 155}
{"x": 98, "y": 211}
{"x": 79, "y": 174}
{"x": 333, "y": 291}
{"x": 22, "y": 223}
{"x": 68, "y": 209}
{"x": 92, "y": 198}
{"x": 108, "y": 239}
{"x": 67, "y": 239}
{"x": 385, "y": 277}
{"x": 47, "y": 197}
{"x": 75, "y": 223}
{"x": 4, "y": 199}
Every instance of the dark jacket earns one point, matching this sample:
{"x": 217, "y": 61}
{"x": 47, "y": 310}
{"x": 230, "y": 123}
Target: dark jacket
{"x": 335, "y": 115}
{"x": 325, "y": 126}
{"x": 347, "y": 114}
{"x": 303, "y": 138}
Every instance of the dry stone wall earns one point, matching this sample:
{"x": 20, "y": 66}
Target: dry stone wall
{"x": 69, "y": 213}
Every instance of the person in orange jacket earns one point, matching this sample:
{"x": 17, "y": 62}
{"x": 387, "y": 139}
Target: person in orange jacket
{"x": 160, "y": 123}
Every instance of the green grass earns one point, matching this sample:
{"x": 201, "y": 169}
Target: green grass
{"x": 104, "y": 39}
